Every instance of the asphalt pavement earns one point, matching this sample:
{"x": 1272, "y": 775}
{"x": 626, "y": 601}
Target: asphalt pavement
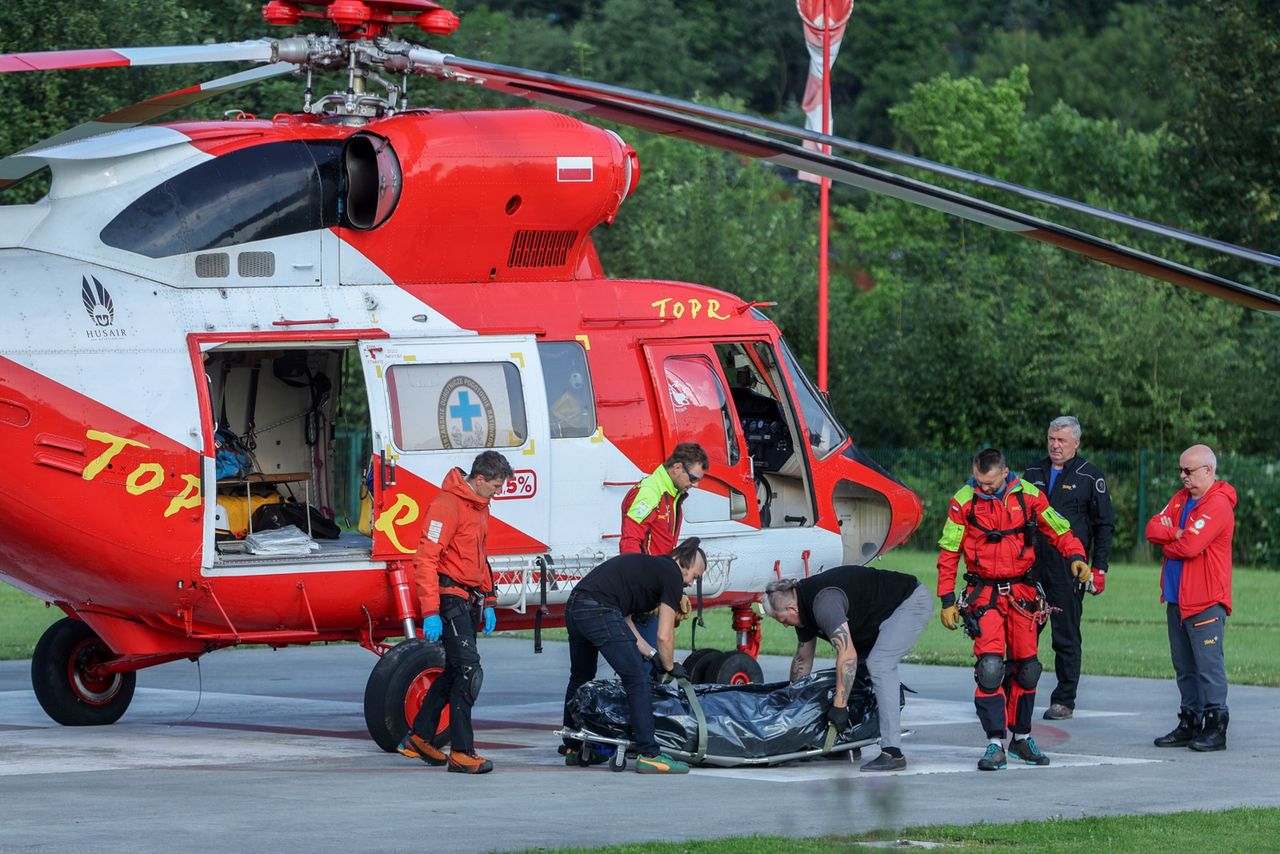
{"x": 262, "y": 750}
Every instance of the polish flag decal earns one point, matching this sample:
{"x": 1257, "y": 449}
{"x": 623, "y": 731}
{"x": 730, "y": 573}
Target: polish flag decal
{"x": 573, "y": 169}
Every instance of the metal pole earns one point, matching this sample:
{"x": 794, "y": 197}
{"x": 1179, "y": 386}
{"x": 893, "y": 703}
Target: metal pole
{"x": 824, "y": 193}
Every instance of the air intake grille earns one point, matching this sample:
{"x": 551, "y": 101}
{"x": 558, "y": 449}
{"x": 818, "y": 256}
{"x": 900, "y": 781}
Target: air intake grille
{"x": 256, "y": 265}
{"x": 213, "y": 265}
{"x": 541, "y": 248}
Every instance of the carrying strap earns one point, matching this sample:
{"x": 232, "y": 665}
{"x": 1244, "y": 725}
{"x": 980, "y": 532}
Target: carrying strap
{"x": 692, "y": 695}
{"x": 830, "y": 740}
{"x": 541, "y": 561}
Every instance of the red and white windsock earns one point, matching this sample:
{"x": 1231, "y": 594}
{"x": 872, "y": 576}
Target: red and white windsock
{"x": 815, "y": 14}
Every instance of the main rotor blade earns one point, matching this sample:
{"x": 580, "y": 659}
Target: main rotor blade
{"x": 260, "y": 50}
{"x": 27, "y": 162}
{"x": 637, "y": 110}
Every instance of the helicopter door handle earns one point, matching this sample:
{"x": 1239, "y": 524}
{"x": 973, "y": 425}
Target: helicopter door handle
{"x": 304, "y": 322}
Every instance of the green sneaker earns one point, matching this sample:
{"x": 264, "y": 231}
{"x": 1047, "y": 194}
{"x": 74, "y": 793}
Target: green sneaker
{"x": 660, "y": 764}
{"x": 574, "y": 756}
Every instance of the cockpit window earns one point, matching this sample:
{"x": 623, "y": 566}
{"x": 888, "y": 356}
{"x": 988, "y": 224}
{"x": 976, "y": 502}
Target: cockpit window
{"x": 824, "y": 431}
{"x": 257, "y": 193}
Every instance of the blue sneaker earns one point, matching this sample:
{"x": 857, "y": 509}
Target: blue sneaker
{"x": 1026, "y": 750}
{"x": 993, "y": 759}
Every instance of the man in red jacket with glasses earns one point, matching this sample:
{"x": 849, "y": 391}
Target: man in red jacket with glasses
{"x": 1195, "y": 530}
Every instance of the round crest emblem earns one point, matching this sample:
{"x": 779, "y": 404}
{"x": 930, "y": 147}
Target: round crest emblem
{"x": 465, "y": 415}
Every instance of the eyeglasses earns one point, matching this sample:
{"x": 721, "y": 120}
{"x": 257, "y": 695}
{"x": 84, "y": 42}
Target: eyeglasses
{"x": 693, "y": 478}
{"x": 1186, "y": 472}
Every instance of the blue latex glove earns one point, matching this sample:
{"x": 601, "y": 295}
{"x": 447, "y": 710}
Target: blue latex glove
{"x": 432, "y": 628}
{"x": 490, "y": 621}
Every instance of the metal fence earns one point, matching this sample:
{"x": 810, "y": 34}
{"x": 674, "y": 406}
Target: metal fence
{"x": 1140, "y": 483}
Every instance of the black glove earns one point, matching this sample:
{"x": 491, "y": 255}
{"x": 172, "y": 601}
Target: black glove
{"x": 677, "y": 671}
{"x": 838, "y": 717}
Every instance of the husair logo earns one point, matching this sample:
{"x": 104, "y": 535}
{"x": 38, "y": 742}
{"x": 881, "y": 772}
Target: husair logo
{"x": 97, "y": 301}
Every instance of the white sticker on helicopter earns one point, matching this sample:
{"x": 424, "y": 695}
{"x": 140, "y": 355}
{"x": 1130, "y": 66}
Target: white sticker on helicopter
{"x": 574, "y": 169}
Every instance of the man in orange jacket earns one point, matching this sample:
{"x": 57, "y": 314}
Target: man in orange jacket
{"x": 1195, "y": 530}
{"x": 993, "y": 521}
{"x": 455, "y": 592}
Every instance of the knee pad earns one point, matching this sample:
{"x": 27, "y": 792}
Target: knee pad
{"x": 988, "y": 672}
{"x": 1028, "y": 672}
{"x": 472, "y": 677}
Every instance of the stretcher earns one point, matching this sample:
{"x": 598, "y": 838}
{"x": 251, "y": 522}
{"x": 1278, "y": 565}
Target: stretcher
{"x": 725, "y": 726}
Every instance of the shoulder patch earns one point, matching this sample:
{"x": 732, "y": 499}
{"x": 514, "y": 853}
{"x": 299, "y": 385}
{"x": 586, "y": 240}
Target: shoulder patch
{"x": 1100, "y": 484}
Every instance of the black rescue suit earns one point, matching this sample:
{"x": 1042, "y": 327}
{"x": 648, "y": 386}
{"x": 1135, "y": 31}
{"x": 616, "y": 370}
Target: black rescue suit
{"x": 1080, "y": 496}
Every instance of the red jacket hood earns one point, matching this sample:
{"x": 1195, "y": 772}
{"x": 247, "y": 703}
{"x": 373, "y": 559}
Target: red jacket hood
{"x": 455, "y": 483}
{"x": 1219, "y": 487}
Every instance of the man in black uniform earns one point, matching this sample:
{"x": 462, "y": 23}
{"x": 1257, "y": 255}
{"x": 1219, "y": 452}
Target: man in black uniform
{"x": 599, "y": 619}
{"x": 857, "y": 608}
{"x": 1078, "y": 491}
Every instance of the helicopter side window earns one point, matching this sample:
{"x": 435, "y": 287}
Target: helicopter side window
{"x": 700, "y": 407}
{"x": 825, "y": 432}
{"x": 764, "y": 426}
{"x": 256, "y": 193}
{"x": 373, "y": 181}
{"x": 570, "y": 401}
{"x": 441, "y": 407}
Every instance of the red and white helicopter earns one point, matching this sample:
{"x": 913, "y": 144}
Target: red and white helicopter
{"x": 185, "y": 277}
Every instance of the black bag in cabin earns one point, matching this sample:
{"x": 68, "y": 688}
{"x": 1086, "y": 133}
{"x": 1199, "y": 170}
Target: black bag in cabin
{"x": 272, "y": 516}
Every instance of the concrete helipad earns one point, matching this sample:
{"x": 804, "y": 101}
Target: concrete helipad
{"x": 256, "y": 750}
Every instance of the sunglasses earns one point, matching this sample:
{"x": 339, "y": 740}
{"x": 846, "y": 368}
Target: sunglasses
{"x": 693, "y": 478}
{"x": 1186, "y": 472}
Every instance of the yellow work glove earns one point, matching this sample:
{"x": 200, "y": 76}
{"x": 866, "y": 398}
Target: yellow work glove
{"x": 685, "y": 611}
{"x": 1081, "y": 571}
{"x": 950, "y": 617}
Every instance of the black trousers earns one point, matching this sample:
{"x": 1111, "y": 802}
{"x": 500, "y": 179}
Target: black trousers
{"x": 1061, "y": 591}
{"x": 459, "y": 684}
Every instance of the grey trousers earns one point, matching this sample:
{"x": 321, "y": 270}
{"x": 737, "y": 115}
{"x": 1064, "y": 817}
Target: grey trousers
{"x": 897, "y": 635}
{"x": 1195, "y": 644}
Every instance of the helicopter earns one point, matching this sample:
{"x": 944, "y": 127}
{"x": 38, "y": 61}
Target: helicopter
{"x": 205, "y": 282}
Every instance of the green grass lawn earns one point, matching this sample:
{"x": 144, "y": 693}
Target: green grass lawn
{"x": 1124, "y": 628}
{"x": 1230, "y": 830}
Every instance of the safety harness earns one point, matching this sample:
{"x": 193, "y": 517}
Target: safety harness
{"x": 995, "y": 535}
{"x": 1037, "y": 609}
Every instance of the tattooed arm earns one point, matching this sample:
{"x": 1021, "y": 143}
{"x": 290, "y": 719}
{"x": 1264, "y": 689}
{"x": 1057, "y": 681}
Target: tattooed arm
{"x": 802, "y": 661}
{"x": 846, "y": 665}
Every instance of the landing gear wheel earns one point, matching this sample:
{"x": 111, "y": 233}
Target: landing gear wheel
{"x": 705, "y": 668}
{"x": 66, "y": 691}
{"x": 399, "y": 681}
{"x": 737, "y": 668}
{"x": 695, "y": 659}
{"x": 618, "y": 762}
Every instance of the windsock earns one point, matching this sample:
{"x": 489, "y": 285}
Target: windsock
{"x": 815, "y": 14}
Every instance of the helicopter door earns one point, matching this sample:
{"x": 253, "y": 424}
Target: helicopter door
{"x": 696, "y": 407}
{"x": 434, "y": 405}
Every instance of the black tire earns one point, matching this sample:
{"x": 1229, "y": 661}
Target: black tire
{"x": 695, "y": 659}
{"x": 737, "y": 668}
{"x": 386, "y": 694}
{"x": 705, "y": 668}
{"x": 66, "y": 693}
{"x": 618, "y": 762}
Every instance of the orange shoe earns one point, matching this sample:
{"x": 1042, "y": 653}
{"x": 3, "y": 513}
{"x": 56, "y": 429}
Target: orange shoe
{"x": 468, "y": 763}
{"x": 416, "y": 747}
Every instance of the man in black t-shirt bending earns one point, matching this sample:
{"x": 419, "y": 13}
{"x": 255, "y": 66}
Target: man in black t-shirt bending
{"x": 599, "y": 619}
{"x": 856, "y": 608}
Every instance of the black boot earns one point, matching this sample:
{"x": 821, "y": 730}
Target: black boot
{"x": 1213, "y": 736}
{"x": 1180, "y": 736}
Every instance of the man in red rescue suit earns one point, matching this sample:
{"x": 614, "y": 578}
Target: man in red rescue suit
{"x": 651, "y": 513}
{"x": 455, "y": 592}
{"x": 992, "y": 521}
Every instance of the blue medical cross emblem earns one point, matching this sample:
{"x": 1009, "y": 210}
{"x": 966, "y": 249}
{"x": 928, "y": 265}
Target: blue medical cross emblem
{"x": 465, "y": 410}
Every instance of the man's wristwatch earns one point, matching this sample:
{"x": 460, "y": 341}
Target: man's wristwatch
{"x": 653, "y": 653}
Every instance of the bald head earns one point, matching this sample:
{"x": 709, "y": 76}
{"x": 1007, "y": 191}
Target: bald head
{"x": 1198, "y": 466}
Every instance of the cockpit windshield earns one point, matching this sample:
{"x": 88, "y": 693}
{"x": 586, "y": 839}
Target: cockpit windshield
{"x": 824, "y": 431}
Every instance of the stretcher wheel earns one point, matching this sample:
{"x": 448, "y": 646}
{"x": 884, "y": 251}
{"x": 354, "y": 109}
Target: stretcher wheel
{"x": 618, "y": 762}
